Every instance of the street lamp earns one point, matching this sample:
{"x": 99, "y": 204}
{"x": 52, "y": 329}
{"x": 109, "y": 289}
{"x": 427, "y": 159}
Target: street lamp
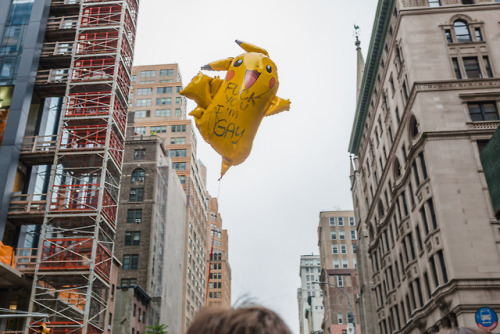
{"x": 348, "y": 300}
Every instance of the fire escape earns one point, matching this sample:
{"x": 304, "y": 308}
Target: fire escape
{"x": 87, "y": 58}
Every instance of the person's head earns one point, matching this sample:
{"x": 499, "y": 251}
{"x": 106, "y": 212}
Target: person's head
{"x": 463, "y": 330}
{"x": 244, "y": 320}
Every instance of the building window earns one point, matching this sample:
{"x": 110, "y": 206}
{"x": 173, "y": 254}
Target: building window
{"x": 167, "y": 72}
{"x": 487, "y": 66}
{"x": 178, "y": 89}
{"x": 140, "y": 130}
{"x": 468, "y": 2}
{"x": 142, "y": 102}
{"x": 179, "y": 128}
{"x": 449, "y": 37}
{"x": 339, "y": 319}
{"x": 456, "y": 68}
{"x": 183, "y": 179}
{"x": 345, "y": 264}
{"x": 142, "y": 113}
{"x": 335, "y": 249}
{"x": 139, "y": 154}
{"x": 178, "y": 100}
{"x": 132, "y": 238}
{"x": 177, "y": 140}
{"x": 162, "y": 112}
{"x": 147, "y": 74}
{"x": 136, "y": 195}
{"x": 479, "y": 36}
{"x": 179, "y": 165}
{"x": 343, "y": 249}
{"x": 163, "y": 90}
{"x": 352, "y": 222}
{"x": 158, "y": 129}
{"x": 341, "y": 235}
{"x": 177, "y": 112}
{"x": 130, "y": 262}
{"x": 125, "y": 282}
{"x": 336, "y": 264}
{"x": 333, "y": 235}
{"x": 134, "y": 216}
{"x": 434, "y": 3}
{"x": 462, "y": 31}
{"x": 340, "y": 221}
{"x": 163, "y": 100}
{"x": 354, "y": 236}
{"x": 144, "y": 91}
{"x": 340, "y": 280}
{"x": 332, "y": 221}
{"x": 138, "y": 174}
{"x": 483, "y": 111}
{"x": 177, "y": 153}
{"x": 472, "y": 69}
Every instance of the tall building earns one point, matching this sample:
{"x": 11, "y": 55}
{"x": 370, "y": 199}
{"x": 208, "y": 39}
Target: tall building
{"x": 65, "y": 71}
{"x": 149, "y": 239}
{"x": 338, "y": 242}
{"x": 160, "y": 110}
{"x": 310, "y": 296}
{"x": 219, "y": 270}
{"x": 427, "y": 105}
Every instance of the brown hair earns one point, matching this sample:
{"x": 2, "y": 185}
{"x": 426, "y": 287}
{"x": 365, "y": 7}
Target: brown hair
{"x": 463, "y": 330}
{"x": 244, "y": 320}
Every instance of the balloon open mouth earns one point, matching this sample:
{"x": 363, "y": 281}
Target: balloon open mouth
{"x": 250, "y": 78}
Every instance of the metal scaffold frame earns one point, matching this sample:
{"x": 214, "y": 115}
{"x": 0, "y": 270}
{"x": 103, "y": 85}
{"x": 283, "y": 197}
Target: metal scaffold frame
{"x": 72, "y": 276}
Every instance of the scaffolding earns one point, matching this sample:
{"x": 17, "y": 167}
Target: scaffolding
{"x": 72, "y": 275}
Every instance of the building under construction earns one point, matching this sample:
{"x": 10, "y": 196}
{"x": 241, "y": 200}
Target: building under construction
{"x": 65, "y": 73}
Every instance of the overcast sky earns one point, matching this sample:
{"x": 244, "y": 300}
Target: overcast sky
{"x": 299, "y": 164}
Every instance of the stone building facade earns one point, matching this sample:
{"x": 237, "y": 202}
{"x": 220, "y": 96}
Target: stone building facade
{"x": 160, "y": 110}
{"x": 427, "y": 105}
{"x": 150, "y": 237}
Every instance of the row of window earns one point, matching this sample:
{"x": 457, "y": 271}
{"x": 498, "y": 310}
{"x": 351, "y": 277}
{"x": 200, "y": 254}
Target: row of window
{"x": 341, "y": 235}
{"x": 343, "y": 249}
{"x": 141, "y": 130}
{"x": 215, "y": 294}
{"x": 437, "y": 3}
{"x": 339, "y": 221}
{"x": 158, "y": 113}
{"x": 215, "y": 285}
{"x": 345, "y": 263}
{"x": 311, "y": 262}
{"x": 159, "y": 90}
{"x": 152, "y": 73}
{"x": 159, "y": 101}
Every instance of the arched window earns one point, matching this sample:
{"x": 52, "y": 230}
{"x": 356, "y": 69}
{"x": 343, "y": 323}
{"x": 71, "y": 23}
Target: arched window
{"x": 138, "y": 174}
{"x": 462, "y": 31}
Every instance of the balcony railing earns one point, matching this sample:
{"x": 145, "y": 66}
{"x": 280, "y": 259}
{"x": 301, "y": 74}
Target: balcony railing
{"x": 25, "y": 260}
{"x": 62, "y": 22}
{"x": 57, "y": 49}
{"x": 54, "y": 76}
{"x": 27, "y": 204}
{"x": 39, "y": 144}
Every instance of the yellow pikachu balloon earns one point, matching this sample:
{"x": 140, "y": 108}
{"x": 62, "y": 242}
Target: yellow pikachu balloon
{"x": 229, "y": 111}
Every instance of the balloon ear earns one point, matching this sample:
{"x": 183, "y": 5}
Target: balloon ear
{"x": 218, "y": 65}
{"x": 251, "y": 48}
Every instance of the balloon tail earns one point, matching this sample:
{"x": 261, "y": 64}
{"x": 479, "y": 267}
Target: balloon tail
{"x": 224, "y": 168}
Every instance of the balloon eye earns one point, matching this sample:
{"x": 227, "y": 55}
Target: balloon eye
{"x": 269, "y": 69}
{"x": 238, "y": 62}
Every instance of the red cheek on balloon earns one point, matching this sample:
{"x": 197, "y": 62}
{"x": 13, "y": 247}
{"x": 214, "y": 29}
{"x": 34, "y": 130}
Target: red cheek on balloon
{"x": 229, "y": 75}
{"x": 271, "y": 83}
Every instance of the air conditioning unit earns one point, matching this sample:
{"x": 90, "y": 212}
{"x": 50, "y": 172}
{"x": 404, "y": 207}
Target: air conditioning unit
{"x": 140, "y": 317}
{"x": 138, "y": 220}
{"x": 141, "y": 179}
